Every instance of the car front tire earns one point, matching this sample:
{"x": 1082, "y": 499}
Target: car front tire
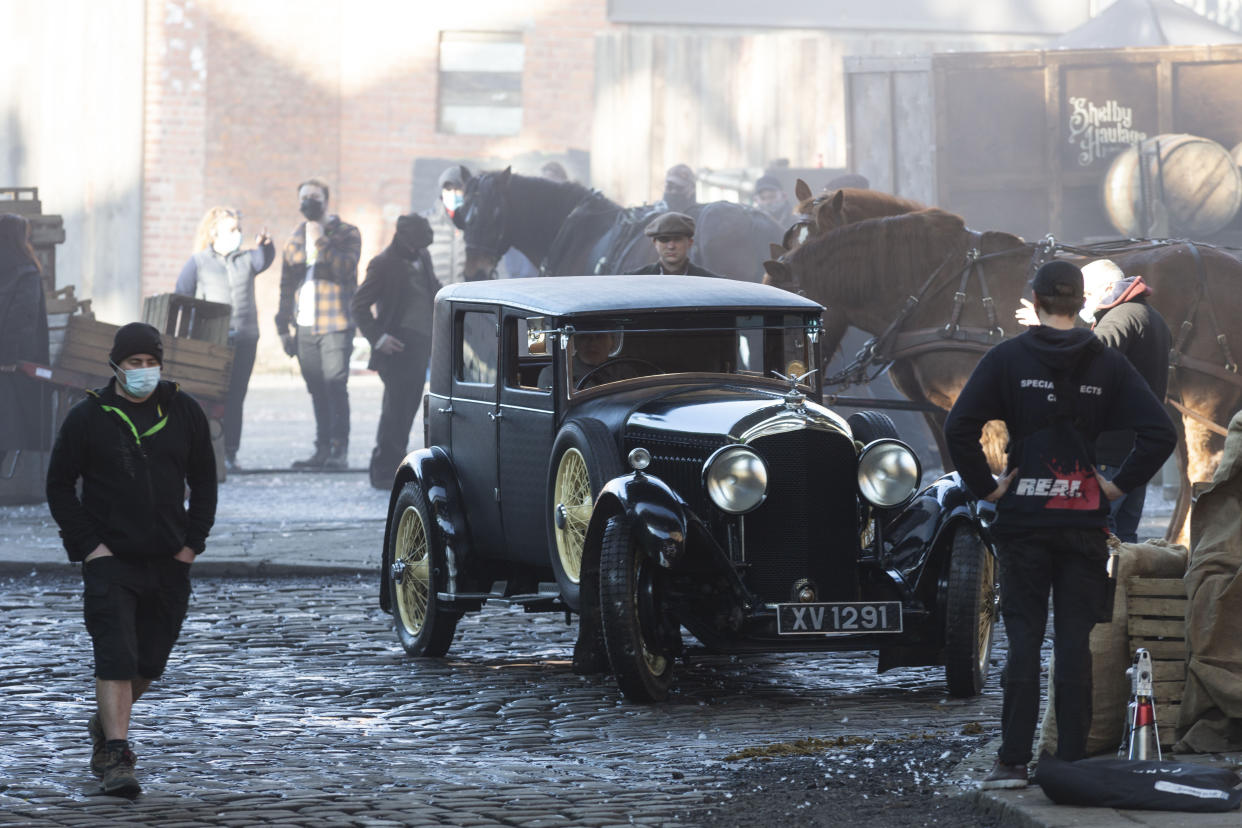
{"x": 424, "y": 625}
{"x": 970, "y": 613}
{"x": 631, "y": 608}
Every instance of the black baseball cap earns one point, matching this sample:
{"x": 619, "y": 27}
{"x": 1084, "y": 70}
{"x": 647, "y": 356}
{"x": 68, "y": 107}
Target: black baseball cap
{"x": 1058, "y": 278}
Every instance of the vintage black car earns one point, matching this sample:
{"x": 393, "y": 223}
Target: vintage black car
{"x": 661, "y": 439}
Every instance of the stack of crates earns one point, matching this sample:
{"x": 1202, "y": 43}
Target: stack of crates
{"x": 1156, "y": 621}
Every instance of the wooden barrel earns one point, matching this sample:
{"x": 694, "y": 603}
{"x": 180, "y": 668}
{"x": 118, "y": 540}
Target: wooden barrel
{"x": 1202, "y": 188}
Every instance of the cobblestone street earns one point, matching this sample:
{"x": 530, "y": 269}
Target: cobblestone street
{"x": 289, "y": 700}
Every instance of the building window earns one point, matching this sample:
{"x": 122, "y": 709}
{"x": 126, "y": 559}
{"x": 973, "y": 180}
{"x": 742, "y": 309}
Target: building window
{"x": 481, "y": 83}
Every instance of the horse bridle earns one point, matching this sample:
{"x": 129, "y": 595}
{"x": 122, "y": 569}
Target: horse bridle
{"x": 501, "y": 214}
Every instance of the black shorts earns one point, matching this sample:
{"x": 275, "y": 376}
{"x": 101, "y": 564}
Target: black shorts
{"x": 134, "y": 611}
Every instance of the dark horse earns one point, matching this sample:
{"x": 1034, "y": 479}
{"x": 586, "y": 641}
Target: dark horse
{"x": 868, "y": 271}
{"x": 566, "y": 229}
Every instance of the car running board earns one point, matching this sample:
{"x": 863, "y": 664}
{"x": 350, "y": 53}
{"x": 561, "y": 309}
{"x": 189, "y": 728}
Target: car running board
{"x": 531, "y": 602}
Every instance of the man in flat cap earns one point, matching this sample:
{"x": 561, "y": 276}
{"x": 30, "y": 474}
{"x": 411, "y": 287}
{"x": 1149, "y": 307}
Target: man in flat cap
{"x": 1056, "y": 387}
{"x": 673, "y": 236}
{"x": 136, "y": 445}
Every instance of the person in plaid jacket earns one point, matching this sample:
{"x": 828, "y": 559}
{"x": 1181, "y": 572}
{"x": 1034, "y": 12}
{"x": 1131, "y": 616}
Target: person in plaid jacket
{"x": 319, "y": 274}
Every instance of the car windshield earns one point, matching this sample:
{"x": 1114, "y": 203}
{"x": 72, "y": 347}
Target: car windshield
{"x": 604, "y": 351}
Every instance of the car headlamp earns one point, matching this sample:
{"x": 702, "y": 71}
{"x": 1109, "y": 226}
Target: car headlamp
{"x": 888, "y": 473}
{"x": 736, "y": 479}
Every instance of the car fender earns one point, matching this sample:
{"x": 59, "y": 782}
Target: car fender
{"x": 433, "y": 469}
{"x": 916, "y": 533}
{"x": 660, "y": 518}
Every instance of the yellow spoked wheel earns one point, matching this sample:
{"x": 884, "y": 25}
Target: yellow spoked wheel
{"x": 572, "y": 502}
{"x": 989, "y": 610}
{"x": 412, "y": 571}
{"x": 415, "y": 572}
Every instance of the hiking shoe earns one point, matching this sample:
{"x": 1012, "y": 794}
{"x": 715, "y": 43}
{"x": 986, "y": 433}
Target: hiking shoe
{"x": 118, "y": 774}
{"x": 98, "y": 739}
{"x": 1005, "y": 776}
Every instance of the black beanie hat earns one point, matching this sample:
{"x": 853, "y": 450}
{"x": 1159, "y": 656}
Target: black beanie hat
{"x": 136, "y": 338}
{"x": 1058, "y": 278}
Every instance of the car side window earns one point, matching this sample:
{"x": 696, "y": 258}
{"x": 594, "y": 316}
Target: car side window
{"x": 529, "y": 362}
{"x": 476, "y": 348}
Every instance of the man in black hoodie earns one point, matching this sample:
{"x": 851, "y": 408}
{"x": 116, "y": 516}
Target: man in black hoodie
{"x": 1056, "y": 387}
{"x": 135, "y": 445}
{"x": 402, "y": 285}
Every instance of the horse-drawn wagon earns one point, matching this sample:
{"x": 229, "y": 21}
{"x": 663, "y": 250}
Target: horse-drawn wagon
{"x": 1024, "y": 141}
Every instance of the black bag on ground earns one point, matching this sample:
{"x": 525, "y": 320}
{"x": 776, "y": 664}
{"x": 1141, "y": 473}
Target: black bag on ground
{"x": 1141, "y": 785}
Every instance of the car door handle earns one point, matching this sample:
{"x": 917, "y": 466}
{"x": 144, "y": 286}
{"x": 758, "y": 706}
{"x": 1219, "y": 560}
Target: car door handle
{"x": 496, "y": 415}
{"x": 447, "y": 410}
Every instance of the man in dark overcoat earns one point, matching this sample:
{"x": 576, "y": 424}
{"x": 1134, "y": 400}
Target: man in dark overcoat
{"x": 401, "y": 285}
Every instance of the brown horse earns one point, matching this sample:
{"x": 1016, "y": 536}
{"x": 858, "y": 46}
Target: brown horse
{"x": 832, "y": 209}
{"x": 867, "y": 270}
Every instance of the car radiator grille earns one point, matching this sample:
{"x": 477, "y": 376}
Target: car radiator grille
{"x": 678, "y": 461}
{"x": 808, "y": 526}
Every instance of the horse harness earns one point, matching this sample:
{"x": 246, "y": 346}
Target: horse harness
{"x": 881, "y": 351}
{"x": 894, "y": 343}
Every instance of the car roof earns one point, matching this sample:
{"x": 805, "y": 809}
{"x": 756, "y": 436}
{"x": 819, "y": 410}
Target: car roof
{"x": 567, "y": 295}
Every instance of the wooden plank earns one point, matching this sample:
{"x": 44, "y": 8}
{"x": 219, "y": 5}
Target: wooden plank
{"x": 219, "y": 361}
{"x": 175, "y": 371}
{"x": 914, "y": 136}
{"x": 1169, "y": 691}
{"x": 1166, "y": 650}
{"x": 1167, "y": 587}
{"x": 1157, "y": 628}
{"x": 873, "y": 105}
{"x": 1169, "y": 670}
{"x": 1145, "y": 605}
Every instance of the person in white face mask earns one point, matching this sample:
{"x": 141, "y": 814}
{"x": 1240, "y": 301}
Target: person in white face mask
{"x": 448, "y": 249}
{"x": 135, "y": 446}
{"x": 221, "y": 271}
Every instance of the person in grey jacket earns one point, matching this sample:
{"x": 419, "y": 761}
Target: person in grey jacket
{"x": 221, "y": 271}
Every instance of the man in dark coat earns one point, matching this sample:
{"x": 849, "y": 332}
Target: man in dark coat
{"x": 1123, "y": 319}
{"x": 135, "y": 446}
{"x": 672, "y": 234}
{"x": 401, "y": 284}
{"x": 1056, "y": 387}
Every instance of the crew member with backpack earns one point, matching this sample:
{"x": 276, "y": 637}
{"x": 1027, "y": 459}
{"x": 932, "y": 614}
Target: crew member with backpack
{"x": 1056, "y": 387}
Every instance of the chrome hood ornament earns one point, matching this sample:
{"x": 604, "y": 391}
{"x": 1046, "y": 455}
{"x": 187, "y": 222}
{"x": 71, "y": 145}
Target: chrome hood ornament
{"x": 794, "y": 399}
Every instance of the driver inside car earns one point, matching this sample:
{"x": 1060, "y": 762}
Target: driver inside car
{"x": 594, "y": 360}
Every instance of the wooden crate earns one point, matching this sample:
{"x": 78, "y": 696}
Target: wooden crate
{"x": 202, "y": 368}
{"x": 1156, "y": 615}
{"x": 185, "y": 317}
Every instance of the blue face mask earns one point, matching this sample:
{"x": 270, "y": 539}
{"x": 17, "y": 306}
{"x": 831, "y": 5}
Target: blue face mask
{"x": 138, "y": 382}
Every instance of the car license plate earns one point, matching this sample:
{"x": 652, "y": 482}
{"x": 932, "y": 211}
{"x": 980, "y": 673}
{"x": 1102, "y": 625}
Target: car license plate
{"x": 857, "y": 618}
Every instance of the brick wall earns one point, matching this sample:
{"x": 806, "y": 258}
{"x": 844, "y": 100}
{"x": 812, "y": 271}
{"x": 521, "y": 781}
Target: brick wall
{"x": 245, "y": 99}
{"x": 174, "y": 133}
